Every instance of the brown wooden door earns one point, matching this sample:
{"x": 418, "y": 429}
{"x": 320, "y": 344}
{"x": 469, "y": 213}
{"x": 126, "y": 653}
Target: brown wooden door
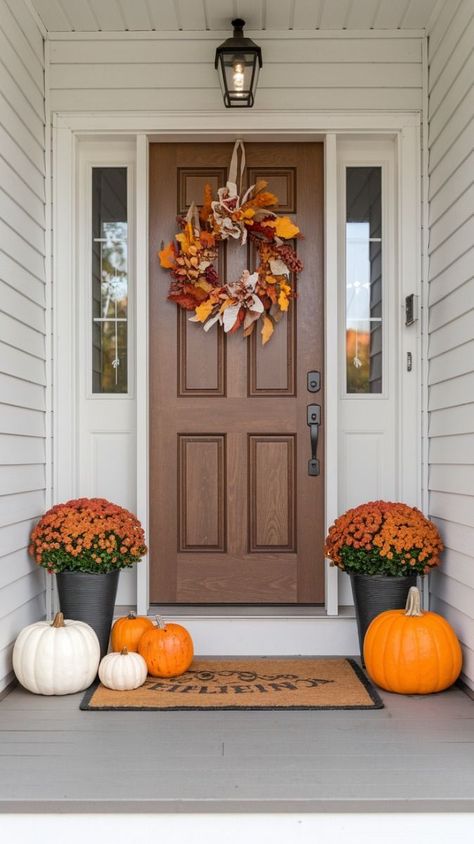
{"x": 235, "y": 517}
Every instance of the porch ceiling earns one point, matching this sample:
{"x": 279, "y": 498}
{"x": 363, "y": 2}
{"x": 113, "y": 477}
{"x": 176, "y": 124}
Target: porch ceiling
{"x": 215, "y": 15}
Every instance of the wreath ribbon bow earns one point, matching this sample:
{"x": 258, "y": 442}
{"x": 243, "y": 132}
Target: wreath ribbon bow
{"x": 264, "y": 294}
{"x": 234, "y": 169}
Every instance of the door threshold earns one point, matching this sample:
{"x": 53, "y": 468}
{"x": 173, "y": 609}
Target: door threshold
{"x": 237, "y": 611}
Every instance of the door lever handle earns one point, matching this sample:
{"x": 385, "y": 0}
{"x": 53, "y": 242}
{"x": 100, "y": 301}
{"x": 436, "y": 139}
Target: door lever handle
{"x": 314, "y": 421}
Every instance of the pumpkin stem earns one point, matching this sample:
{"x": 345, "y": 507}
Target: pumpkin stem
{"x": 160, "y": 622}
{"x": 58, "y": 620}
{"x": 131, "y": 615}
{"x": 124, "y": 652}
{"x": 413, "y": 605}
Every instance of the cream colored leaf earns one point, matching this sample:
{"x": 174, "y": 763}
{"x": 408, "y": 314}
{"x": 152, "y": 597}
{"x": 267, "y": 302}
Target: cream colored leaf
{"x": 211, "y": 322}
{"x": 229, "y": 317}
{"x": 278, "y": 267}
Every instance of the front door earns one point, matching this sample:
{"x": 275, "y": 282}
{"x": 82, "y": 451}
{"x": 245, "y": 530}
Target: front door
{"x": 235, "y": 516}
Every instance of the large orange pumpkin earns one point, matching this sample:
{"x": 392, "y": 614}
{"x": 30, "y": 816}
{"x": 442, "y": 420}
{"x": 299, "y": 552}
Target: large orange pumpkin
{"x": 127, "y": 632}
{"x": 412, "y": 652}
{"x": 167, "y": 649}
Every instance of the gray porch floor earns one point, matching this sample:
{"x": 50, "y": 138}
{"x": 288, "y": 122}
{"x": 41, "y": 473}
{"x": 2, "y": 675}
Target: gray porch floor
{"x": 417, "y": 754}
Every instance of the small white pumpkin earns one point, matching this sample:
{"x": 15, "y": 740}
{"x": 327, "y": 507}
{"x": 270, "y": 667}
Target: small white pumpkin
{"x": 123, "y": 671}
{"x": 56, "y": 659}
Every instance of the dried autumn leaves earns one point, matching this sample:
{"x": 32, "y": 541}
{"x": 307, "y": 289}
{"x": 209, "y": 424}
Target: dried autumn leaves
{"x": 263, "y": 295}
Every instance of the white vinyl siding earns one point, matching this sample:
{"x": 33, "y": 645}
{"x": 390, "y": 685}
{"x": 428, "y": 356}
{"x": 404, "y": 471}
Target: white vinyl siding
{"x": 451, "y": 320}
{"x": 176, "y": 72}
{"x": 22, "y": 320}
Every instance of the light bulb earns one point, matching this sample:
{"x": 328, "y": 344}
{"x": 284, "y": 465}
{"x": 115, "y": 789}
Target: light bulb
{"x": 238, "y": 77}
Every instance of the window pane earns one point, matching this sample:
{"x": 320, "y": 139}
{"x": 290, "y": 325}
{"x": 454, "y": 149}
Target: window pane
{"x": 109, "y": 280}
{"x": 363, "y": 280}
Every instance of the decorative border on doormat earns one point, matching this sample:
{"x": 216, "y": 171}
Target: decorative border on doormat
{"x": 377, "y": 702}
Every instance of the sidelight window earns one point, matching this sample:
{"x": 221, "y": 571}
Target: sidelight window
{"x": 110, "y": 288}
{"x": 363, "y": 240}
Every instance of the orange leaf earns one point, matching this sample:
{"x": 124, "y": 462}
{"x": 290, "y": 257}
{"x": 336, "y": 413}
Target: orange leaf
{"x": 206, "y": 206}
{"x": 265, "y": 199}
{"x": 207, "y": 239}
{"x": 283, "y": 299}
{"x": 284, "y": 227}
{"x": 267, "y": 329}
{"x": 204, "y": 285}
{"x": 167, "y": 256}
{"x": 204, "y": 309}
{"x": 225, "y": 305}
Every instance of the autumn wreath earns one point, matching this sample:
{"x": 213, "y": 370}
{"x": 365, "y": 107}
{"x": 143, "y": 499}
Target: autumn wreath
{"x": 262, "y": 295}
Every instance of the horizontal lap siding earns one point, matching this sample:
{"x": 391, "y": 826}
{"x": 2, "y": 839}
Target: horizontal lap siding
{"x": 451, "y": 345}
{"x": 22, "y": 320}
{"x": 175, "y": 73}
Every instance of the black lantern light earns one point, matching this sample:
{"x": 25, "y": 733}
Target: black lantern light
{"x": 238, "y": 61}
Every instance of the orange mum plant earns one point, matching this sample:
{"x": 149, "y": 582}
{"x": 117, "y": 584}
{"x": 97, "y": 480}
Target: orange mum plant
{"x": 87, "y": 534}
{"x": 384, "y": 537}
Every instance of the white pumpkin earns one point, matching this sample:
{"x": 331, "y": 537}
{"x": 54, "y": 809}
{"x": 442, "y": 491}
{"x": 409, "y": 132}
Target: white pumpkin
{"x": 123, "y": 671}
{"x": 56, "y": 659}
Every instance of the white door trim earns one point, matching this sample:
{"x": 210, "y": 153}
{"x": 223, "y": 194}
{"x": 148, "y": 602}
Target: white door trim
{"x": 142, "y": 128}
{"x": 196, "y": 124}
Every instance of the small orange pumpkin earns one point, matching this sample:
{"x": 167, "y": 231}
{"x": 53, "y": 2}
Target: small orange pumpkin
{"x": 167, "y": 649}
{"x": 412, "y": 652}
{"x": 127, "y": 632}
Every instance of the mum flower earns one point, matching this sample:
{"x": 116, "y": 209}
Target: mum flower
{"x": 87, "y": 534}
{"x": 384, "y": 537}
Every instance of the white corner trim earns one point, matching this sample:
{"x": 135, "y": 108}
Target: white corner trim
{"x": 424, "y": 294}
{"x": 64, "y": 316}
{"x": 48, "y": 262}
{"x": 38, "y": 20}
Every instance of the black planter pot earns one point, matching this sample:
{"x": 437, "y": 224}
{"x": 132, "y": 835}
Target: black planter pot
{"x": 374, "y": 594}
{"x": 90, "y": 598}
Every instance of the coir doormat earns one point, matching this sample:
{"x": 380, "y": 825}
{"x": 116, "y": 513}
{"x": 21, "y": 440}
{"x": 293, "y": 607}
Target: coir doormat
{"x": 236, "y": 683}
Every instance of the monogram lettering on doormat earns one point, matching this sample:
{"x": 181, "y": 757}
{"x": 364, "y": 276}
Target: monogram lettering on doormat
{"x": 235, "y": 682}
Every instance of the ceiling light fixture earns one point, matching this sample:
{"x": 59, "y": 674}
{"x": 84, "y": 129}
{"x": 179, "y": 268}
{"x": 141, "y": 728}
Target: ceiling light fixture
{"x": 238, "y": 61}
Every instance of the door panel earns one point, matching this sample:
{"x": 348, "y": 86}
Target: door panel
{"x": 235, "y": 517}
{"x": 202, "y": 494}
{"x": 201, "y": 360}
{"x": 272, "y": 489}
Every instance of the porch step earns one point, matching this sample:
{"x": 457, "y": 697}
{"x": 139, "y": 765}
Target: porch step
{"x": 269, "y": 631}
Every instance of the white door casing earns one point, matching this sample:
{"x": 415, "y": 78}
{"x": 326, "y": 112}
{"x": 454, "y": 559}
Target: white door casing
{"x": 105, "y": 427}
